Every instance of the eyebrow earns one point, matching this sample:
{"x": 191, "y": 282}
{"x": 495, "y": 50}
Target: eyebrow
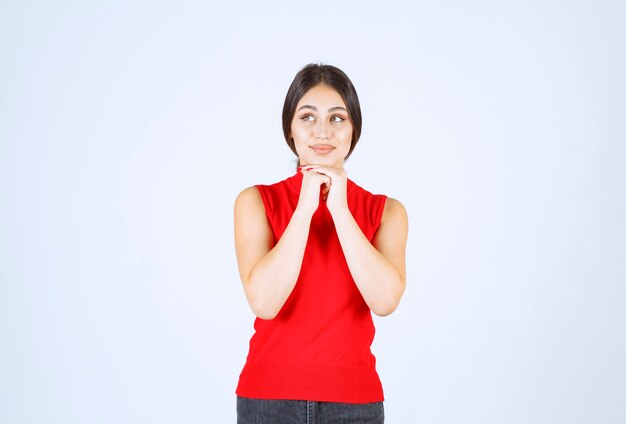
{"x": 315, "y": 109}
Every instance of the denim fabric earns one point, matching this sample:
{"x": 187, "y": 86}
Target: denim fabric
{"x": 262, "y": 411}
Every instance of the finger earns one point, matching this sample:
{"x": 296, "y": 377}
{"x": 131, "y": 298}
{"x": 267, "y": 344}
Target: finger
{"x": 323, "y": 178}
{"x": 330, "y": 172}
{"x": 325, "y": 182}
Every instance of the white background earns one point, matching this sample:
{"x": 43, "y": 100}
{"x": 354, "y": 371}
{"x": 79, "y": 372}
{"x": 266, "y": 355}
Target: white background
{"x": 127, "y": 128}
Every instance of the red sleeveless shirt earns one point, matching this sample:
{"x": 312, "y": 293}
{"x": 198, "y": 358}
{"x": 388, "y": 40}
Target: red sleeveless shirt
{"x": 318, "y": 346}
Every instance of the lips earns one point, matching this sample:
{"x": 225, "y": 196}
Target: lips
{"x": 322, "y": 149}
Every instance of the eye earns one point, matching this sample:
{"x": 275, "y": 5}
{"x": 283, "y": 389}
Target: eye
{"x": 336, "y": 118}
{"x": 308, "y": 118}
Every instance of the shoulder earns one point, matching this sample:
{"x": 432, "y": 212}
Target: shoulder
{"x": 394, "y": 211}
{"x": 249, "y": 197}
{"x": 394, "y": 227}
{"x": 248, "y": 193}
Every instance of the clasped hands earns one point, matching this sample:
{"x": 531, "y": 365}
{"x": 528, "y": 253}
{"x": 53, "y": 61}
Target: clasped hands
{"x": 325, "y": 183}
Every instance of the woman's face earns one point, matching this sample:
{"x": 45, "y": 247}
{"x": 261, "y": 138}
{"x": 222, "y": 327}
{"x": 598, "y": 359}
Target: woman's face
{"x": 321, "y": 128}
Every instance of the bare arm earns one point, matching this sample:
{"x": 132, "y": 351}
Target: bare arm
{"x": 378, "y": 268}
{"x": 269, "y": 272}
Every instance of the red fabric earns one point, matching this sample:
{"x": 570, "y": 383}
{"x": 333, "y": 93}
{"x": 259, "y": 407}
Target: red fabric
{"x": 318, "y": 346}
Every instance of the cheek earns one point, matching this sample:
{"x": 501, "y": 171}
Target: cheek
{"x": 297, "y": 131}
{"x": 346, "y": 133}
{"x": 299, "y": 139}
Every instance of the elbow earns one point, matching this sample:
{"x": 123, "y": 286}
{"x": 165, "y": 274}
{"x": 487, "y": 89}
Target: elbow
{"x": 385, "y": 309}
{"x": 390, "y": 303}
{"x": 260, "y": 304}
{"x": 263, "y": 309}
{"x": 265, "y": 314}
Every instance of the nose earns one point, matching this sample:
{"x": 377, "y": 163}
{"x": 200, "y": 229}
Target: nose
{"x": 322, "y": 132}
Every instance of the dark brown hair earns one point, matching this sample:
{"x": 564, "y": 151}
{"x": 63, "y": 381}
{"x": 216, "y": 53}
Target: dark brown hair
{"x": 308, "y": 77}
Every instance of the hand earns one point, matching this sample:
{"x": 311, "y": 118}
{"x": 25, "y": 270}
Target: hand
{"x": 314, "y": 186}
{"x": 336, "y": 185}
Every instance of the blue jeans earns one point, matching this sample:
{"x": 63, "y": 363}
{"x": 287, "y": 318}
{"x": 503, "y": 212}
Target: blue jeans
{"x": 262, "y": 411}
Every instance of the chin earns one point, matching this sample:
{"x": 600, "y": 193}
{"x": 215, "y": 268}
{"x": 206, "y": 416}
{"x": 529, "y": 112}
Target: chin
{"x": 320, "y": 161}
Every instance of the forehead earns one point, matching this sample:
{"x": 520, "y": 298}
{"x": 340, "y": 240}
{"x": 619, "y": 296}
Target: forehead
{"x": 322, "y": 94}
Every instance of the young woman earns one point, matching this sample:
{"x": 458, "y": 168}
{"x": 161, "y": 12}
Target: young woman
{"x": 317, "y": 254}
